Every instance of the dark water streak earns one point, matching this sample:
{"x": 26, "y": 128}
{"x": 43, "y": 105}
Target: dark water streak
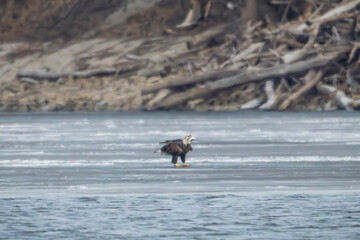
{"x": 298, "y": 216}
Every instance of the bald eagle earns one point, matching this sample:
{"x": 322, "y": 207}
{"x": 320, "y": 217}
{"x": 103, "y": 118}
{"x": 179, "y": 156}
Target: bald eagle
{"x": 176, "y": 148}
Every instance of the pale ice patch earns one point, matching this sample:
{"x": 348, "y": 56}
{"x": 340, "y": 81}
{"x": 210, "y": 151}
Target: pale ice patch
{"x": 82, "y": 122}
{"x": 276, "y": 187}
{"x": 273, "y": 159}
{"x": 102, "y": 153}
{"x": 77, "y": 187}
{"x": 110, "y": 124}
{"x": 50, "y": 163}
{"x": 202, "y": 146}
{"x": 177, "y": 134}
{"x": 72, "y": 163}
{"x": 352, "y": 143}
{"x": 110, "y": 162}
{"x": 103, "y": 134}
{"x": 21, "y": 153}
{"x": 110, "y": 146}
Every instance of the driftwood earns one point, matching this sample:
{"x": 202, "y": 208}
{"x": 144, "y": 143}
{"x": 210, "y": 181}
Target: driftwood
{"x": 205, "y": 37}
{"x": 245, "y": 52}
{"x": 296, "y": 55}
{"x": 342, "y": 100}
{"x": 41, "y": 75}
{"x": 252, "y": 104}
{"x": 29, "y": 80}
{"x": 271, "y": 96}
{"x": 181, "y": 82}
{"x": 337, "y": 13}
{"x": 255, "y": 76}
{"x": 265, "y": 64}
{"x": 159, "y": 96}
{"x": 277, "y": 71}
{"x": 193, "y": 15}
{"x": 290, "y": 42}
{"x": 311, "y": 79}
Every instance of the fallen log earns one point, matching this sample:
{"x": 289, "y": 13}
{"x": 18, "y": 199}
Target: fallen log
{"x": 158, "y": 97}
{"x": 311, "y": 79}
{"x": 289, "y": 41}
{"x": 42, "y": 75}
{"x": 204, "y": 37}
{"x": 29, "y": 80}
{"x": 271, "y": 96}
{"x": 294, "y": 56}
{"x": 254, "y": 76}
{"x": 334, "y": 14}
{"x": 252, "y": 104}
{"x": 256, "y": 47}
{"x": 342, "y": 100}
{"x": 193, "y": 15}
{"x": 180, "y": 82}
{"x": 277, "y": 71}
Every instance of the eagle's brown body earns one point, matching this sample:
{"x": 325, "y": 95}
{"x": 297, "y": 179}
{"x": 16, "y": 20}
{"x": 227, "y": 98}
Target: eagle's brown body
{"x": 176, "y": 148}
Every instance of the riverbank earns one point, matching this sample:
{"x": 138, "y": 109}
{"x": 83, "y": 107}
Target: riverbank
{"x": 154, "y": 58}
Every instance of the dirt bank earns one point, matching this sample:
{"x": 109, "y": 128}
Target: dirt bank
{"x": 203, "y": 55}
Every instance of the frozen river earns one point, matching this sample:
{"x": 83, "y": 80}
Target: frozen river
{"x": 253, "y": 175}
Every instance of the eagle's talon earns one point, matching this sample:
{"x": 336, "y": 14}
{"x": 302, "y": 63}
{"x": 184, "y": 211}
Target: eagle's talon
{"x": 185, "y": 165}
{"x": 177, "y": 165}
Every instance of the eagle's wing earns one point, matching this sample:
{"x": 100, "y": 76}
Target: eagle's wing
{"x": 188, "y": 148}
{"x": 169, "y": 141}
{"x": 172, "y": 148}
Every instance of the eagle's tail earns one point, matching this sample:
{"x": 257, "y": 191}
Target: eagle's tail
{"x": 158, "y": 151}
{"x": 161, "y": 152}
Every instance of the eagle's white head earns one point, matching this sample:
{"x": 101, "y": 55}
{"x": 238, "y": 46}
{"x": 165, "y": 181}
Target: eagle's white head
{"x": 188, "y": 139}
